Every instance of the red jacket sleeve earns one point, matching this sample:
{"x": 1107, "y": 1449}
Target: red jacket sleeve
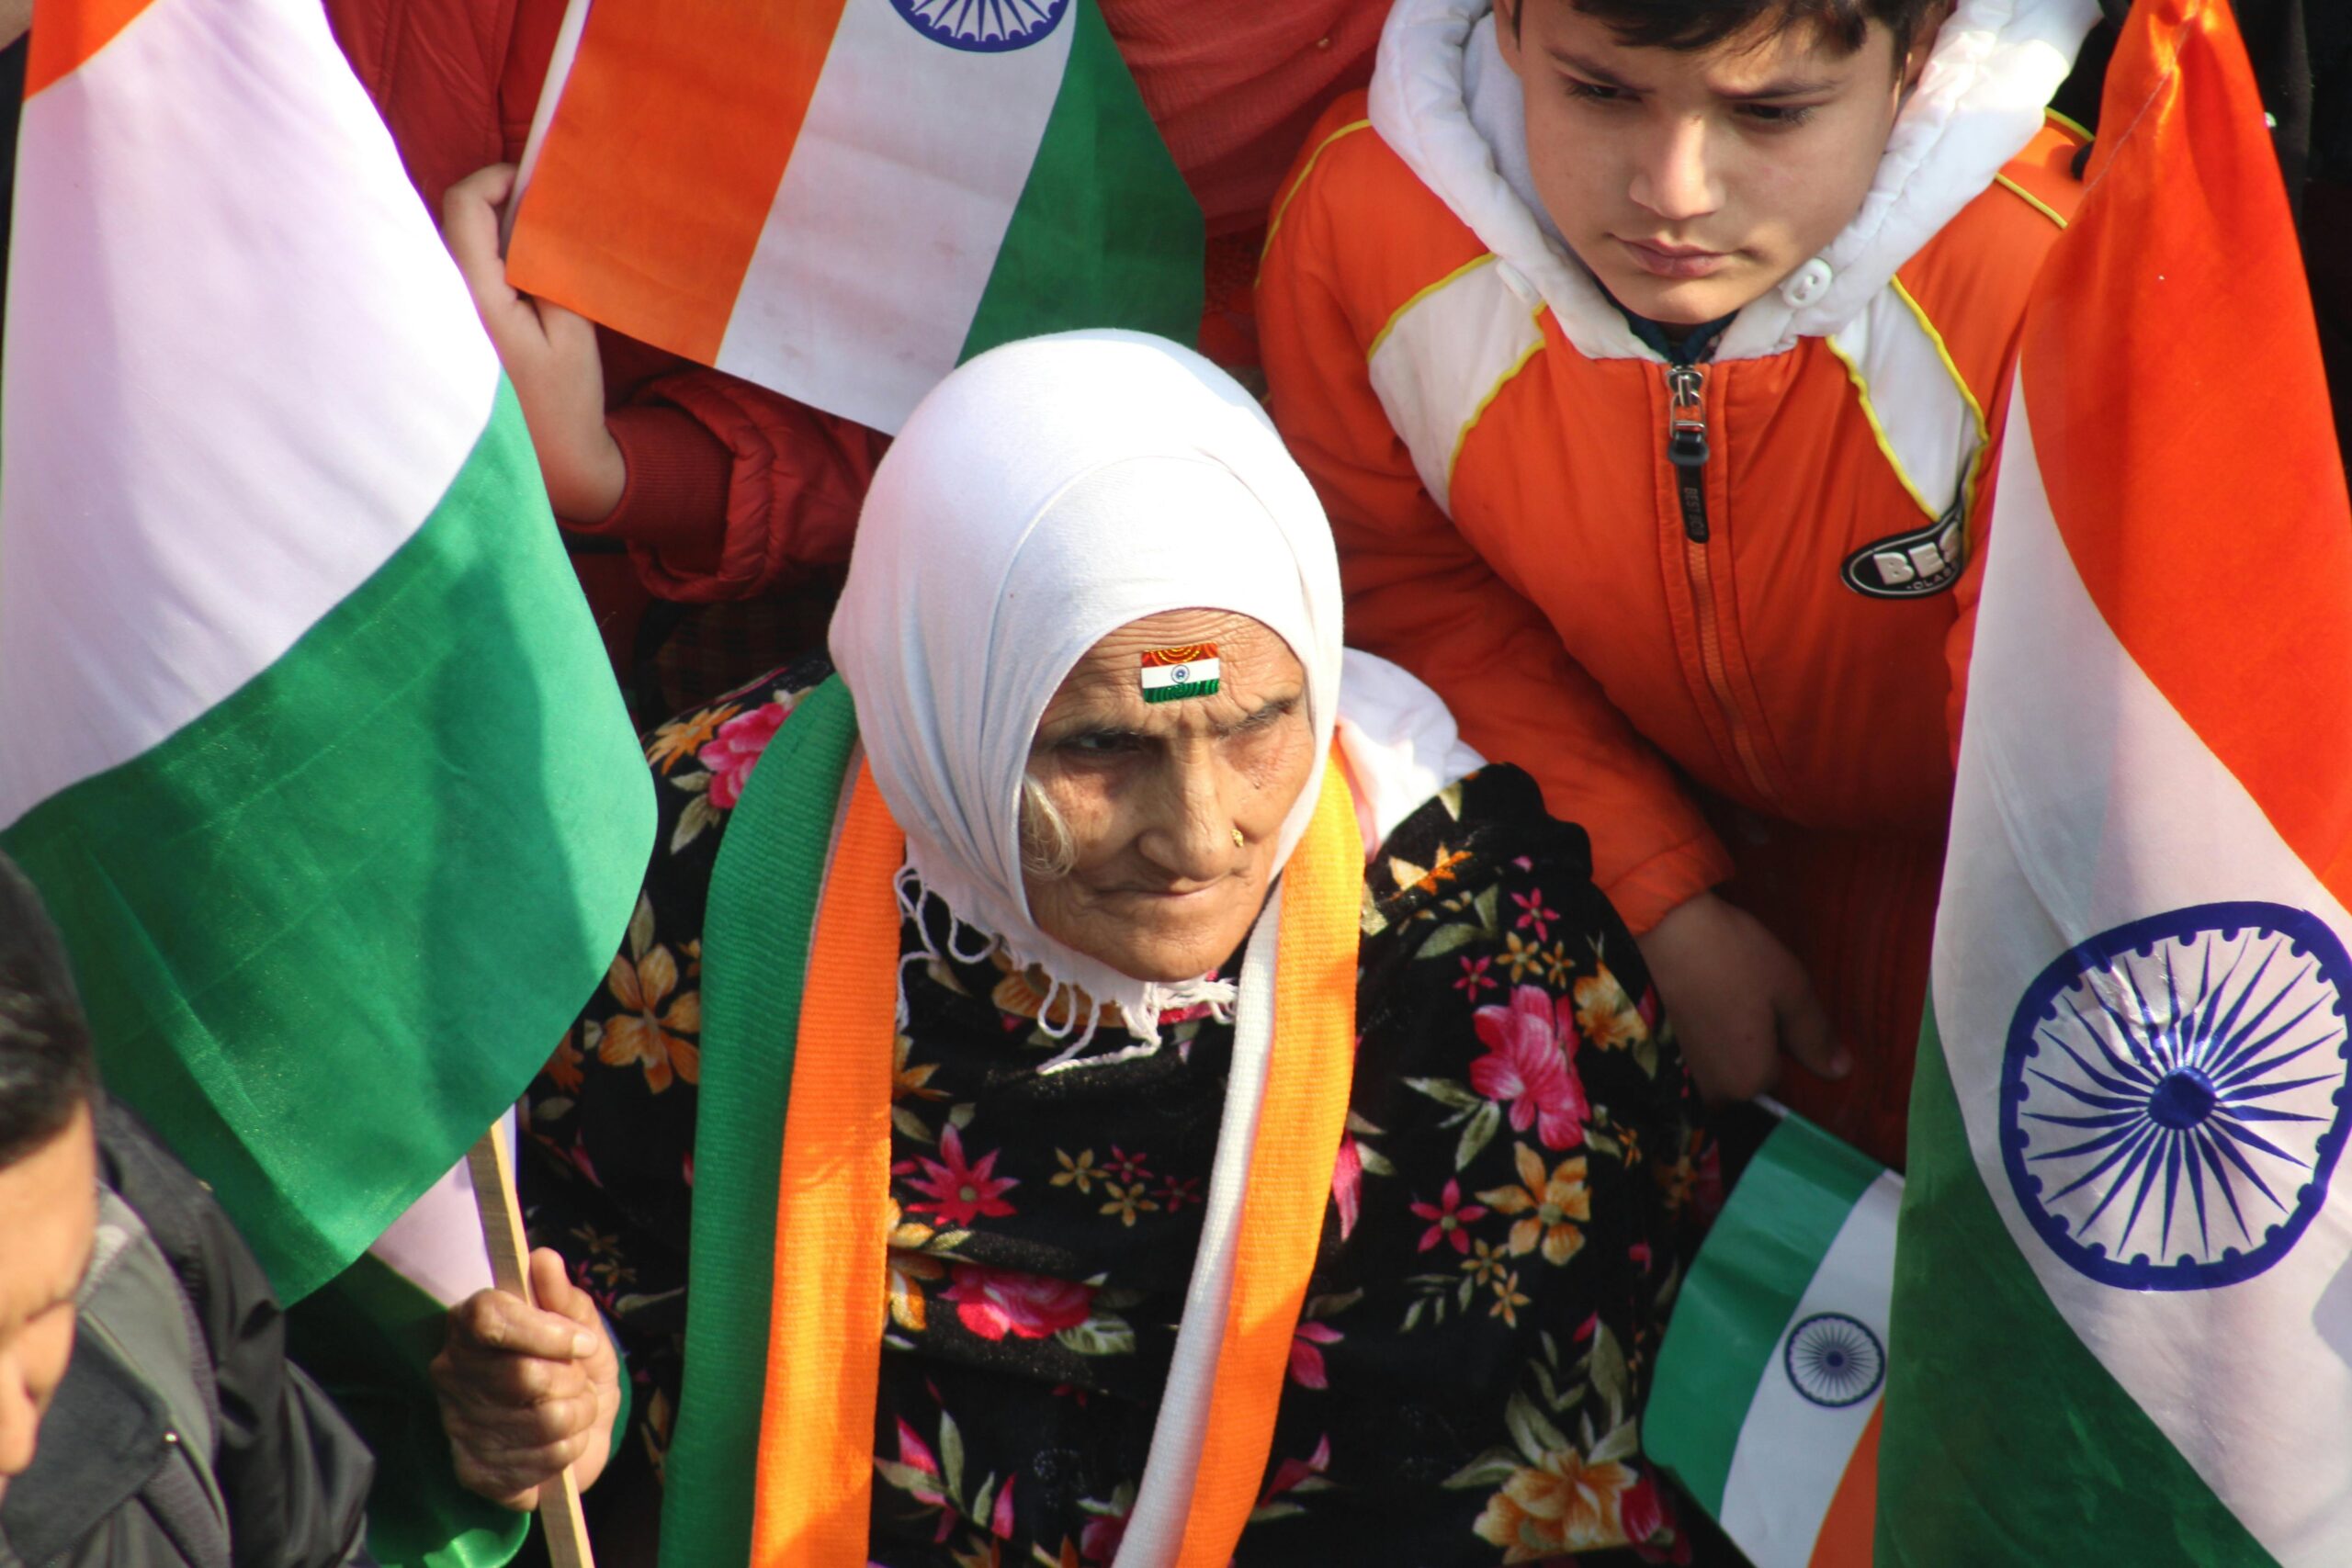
{"x": 732, "y": 491}
{"x": 1416, "y": 592}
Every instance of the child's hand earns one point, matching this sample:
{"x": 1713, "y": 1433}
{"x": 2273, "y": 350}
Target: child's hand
{"x": 1738, "y": 999}
{"x": 550, "y": 354}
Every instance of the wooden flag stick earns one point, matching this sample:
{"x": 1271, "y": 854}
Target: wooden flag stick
{"x": 493, "y": 1168}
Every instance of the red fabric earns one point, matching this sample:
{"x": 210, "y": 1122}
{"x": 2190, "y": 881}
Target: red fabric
{"x": 732, "y": 491}
{"x": 1235, "y": 84}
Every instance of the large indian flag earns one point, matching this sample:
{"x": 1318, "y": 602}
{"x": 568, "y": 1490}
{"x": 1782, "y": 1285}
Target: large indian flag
{"x": 2122, "y": 1313}
{"x": 311, "y": 744}
{"x": 844, "y": 200}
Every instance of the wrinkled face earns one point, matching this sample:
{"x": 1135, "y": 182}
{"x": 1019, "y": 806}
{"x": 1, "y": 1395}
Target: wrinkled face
{"x": 1153, "y": 792}
{"x": 1692, "y": 183}
{"x": 49, "y": 1220}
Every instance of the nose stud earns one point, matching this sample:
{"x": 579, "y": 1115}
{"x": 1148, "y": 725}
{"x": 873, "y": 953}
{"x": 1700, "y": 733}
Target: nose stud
{"x": 1239, "y": 841}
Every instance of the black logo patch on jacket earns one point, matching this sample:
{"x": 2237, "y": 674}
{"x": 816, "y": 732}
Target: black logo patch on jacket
{"x": 1911, "y": 565}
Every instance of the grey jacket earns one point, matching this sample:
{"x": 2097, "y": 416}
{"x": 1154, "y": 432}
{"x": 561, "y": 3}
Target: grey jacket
{"x": 181, "y": 1437}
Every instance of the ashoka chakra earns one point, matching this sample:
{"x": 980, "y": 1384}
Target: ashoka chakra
{"x": 2173, "y": 1095}
{"x": 982, "y": 27}
{"x": 1834, "y": 1361}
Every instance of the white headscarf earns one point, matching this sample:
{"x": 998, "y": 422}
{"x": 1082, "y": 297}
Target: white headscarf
{"x": 1044, "y": 495}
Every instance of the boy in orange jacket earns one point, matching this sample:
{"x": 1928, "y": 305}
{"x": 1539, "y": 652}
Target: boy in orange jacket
{"x": 1651, "y": 358}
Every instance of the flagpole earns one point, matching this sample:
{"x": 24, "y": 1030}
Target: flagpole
{"x": 566, "y": 46}
{"x": 491, "y": 1166}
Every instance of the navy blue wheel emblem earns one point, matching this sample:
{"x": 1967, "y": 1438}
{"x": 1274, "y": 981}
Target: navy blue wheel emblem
{"x": 1834, "y": 1361}
{"x": 982, "y": 27}
{"x": 2173, "y": 1094}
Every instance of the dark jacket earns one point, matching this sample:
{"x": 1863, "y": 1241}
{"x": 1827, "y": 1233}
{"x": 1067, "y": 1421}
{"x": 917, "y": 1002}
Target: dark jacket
{"x": 181, "y": 1435}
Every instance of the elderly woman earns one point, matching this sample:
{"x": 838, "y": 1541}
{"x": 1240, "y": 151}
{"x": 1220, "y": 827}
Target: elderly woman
{"x": 1159, "y": 1101}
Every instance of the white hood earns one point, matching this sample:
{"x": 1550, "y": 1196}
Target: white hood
{"x": 1443, "y": 99}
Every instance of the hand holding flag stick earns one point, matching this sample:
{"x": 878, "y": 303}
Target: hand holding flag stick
{"x": 493, "y": 1168}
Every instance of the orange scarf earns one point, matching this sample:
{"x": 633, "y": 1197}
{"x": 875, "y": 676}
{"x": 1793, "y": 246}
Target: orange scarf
{"x": 814, "y": 1494}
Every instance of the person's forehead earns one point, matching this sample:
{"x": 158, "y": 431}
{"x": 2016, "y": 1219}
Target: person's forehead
{"x": 1765, "y": 56}
{"x": 1252, "y": 658}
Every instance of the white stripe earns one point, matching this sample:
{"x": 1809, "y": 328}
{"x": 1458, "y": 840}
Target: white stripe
{"x": 1164, "y": 1500}
{"x": 889, "y": 219}
{"x": 1444, "y": 356}
{"x": 240, "y": 371}
{"x": 1157, "y": 676}
{"x": 1792, "y": 1451}
{"x": 437, "y": 1246}
{"x": 1929, "y": 428}
{"x": 2084, "y": 801}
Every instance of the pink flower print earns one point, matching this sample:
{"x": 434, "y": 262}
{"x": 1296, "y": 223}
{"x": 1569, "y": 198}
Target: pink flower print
{"x": 915, "y": 1455}
{"x": 1000, "y": 1520}
{"x": 1128, "y": 1167}
{"x": 1346, "y": 1184}
{"x": 1474, "y": 977}
{"x": 1099, "y": 1540}
{"x": 736, "y": 747}
{"x": 994, "y": 1302}
{"x": 958, "y": 1193}
{"x": 1446, "y": 1217}
{"x": 1530, "y": 1065}
{"x": 1649, "y": 1523}
{"x": 1306, "y": 1355}
{"x": 1531, "y": 912}
{"x": 1291, "y": 1472}
{"x": 1178, "y": 1193}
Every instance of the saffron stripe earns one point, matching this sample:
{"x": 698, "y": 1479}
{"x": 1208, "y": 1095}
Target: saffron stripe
{"x": 2138, "y": 504}
{"x": 653, "y": 219}
{"x": 813, "y": 1498}
{"x": 1852, "y": 1519}
{"x": 70, "y": 31}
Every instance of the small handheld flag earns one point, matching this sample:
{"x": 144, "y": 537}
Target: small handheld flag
{"x": 1766, "y": 1402}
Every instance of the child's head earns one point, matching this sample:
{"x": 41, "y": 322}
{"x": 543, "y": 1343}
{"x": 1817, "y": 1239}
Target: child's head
{"x": 1695, "y": 152}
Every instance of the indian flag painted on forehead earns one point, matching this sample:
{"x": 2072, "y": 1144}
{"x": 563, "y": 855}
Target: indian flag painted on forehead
{"x": 1169, "y": 673}
{"x": 844, "y": 200}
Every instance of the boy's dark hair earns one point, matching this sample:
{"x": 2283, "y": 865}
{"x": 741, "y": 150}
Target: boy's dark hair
{"x": 1690, "y": 24}
{"x": 46, "y": 1070}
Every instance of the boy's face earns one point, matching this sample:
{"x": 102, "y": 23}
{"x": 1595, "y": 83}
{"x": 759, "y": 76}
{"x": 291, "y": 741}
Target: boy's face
{"x": 1692, "y": 183}
{"x": 48, "y": 1218}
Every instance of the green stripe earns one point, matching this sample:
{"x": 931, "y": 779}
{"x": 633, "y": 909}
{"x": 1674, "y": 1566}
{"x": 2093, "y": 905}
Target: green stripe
{"x": 1105, "y": 233}
{"x": 386, "y": 870}
{"x": 1172, "y": 694}
{"x": 2006, "y": 1440}
{"x": 1754, "y": 1269}
{"x": 368, "y": 1337}
{"x": 763, "y": 911}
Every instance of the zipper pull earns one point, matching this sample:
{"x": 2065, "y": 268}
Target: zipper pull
{"x": 1686, "y": 444}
